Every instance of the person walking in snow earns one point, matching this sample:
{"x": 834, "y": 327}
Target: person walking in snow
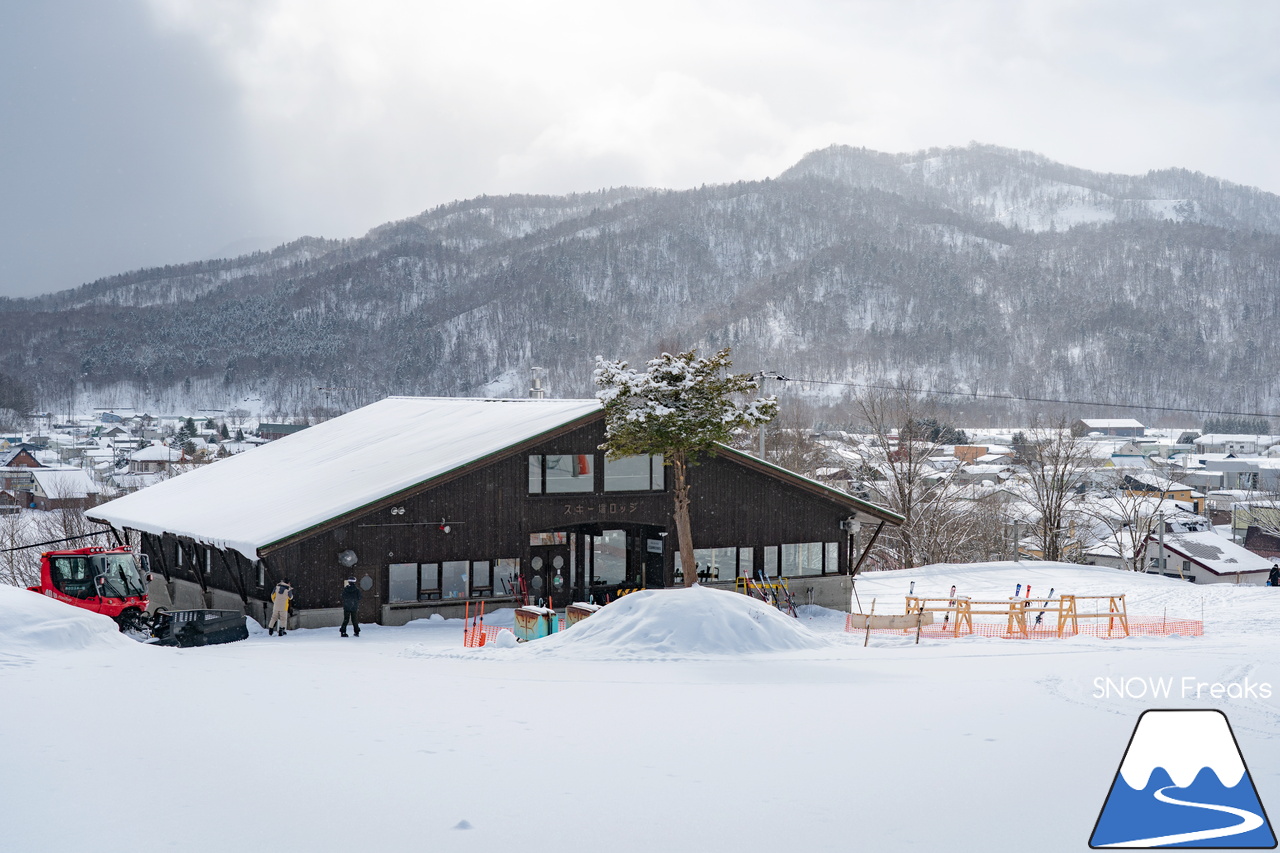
{"x": 1274, "y": 578}
{"x": 281, "y": 596}
{"x": 350, "y": 606}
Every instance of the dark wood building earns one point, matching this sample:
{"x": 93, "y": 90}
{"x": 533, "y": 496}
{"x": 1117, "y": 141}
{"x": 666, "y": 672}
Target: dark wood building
{"x": 528, "y": 504}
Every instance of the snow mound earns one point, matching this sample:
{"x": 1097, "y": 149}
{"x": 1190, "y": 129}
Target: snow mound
{"x": 680, "y": 623}
{"x": 33, "y": 623}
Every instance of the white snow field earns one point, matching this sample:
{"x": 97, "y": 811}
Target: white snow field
{"x": 670, "y": 721}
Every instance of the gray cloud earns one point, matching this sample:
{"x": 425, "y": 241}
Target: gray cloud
{"x": 121, "y": 146}
{"x": 191, "y": 123}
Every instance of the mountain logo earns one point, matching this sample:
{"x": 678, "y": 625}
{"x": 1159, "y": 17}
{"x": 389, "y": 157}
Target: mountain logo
{"x": 1183, "y": 783}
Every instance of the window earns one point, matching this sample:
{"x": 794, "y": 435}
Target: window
{"x": 481, "y": 579}
{"x": 402, "y": 582}
{"x": 262, "y": 572}
{"x": 610, "y": 556}
{"x": 802, "y": 559}
{"x": 429, "y": 581}
{"x": 562, "y": 474}
{"x": 716, "y": 564}
{"x": 746, "y": 562}
{"x": 453, "y": 579}
{"x": 634, "y": 474}
{"x": 72, "y": 576}
{"x": 506, "y": 576}
{"x": 771, "y": 561}
{"x": 831, "y": 559}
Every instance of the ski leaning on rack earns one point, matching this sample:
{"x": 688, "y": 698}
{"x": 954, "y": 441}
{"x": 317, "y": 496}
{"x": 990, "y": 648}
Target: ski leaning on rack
{"x": 1040, "y": 617}
{"x": 950, "y": 604}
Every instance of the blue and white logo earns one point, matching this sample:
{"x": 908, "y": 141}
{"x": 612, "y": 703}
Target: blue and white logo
{"x": 1183, "y": 783}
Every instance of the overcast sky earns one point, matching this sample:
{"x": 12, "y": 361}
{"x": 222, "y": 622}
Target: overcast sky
{"x": 142, "y": 132}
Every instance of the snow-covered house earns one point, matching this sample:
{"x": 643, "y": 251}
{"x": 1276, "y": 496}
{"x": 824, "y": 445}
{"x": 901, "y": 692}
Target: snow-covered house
{"x": 63, "y": 488}
{"x": 1109, "y": 426}
{"x": 154, "y": 459}
{"x": 1240, "y": 445}
{"x": 430, "y": 502}
{"x": 1205, "y": 557}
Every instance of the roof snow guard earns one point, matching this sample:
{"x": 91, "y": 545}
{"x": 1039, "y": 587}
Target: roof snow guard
{"x": 249, "y": 501}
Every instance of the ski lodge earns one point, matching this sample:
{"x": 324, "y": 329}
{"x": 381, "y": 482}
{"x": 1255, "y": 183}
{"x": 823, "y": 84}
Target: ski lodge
{"x": 433, "y": 502}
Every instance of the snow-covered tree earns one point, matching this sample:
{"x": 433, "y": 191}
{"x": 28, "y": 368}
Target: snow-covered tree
{"x": 681, "y": 406}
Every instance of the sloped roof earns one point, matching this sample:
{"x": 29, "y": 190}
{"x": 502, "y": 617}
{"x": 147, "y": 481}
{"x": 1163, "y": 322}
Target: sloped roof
{"x": 156, "y": 453}
{"x": 1216, "y": 553}
{"x": 248, "y": 501}
{"x": 1112, "y": 423}
{"x": 64, "y": 483}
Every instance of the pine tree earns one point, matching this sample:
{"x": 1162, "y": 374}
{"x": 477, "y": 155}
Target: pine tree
{"x": 680, "y": 407}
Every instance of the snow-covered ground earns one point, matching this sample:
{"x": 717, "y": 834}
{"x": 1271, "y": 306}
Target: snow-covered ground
{"x": 677, "y": 721}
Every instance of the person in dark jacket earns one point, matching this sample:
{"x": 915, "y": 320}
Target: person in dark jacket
{"x": 350, "y": 606}
{"x": 1274, "y": 578}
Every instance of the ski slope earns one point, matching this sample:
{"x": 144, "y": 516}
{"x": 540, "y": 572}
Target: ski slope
{"x": 635, "y": 731}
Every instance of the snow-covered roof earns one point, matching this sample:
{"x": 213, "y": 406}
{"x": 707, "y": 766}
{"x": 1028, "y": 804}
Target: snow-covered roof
{"x": 1112, "y": 423}
{"x": 1236, "y": 438}
{"x": 157, "y": 453}
{"x": 59, "y": 483}
{"x": 1216, "y": 553}
{"x": 251, "y": 500}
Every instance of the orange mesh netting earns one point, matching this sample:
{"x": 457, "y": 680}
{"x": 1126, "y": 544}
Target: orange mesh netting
{"x": 1047, "y": 630}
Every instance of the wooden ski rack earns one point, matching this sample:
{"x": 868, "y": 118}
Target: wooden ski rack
{"x": 1068, "y": 614}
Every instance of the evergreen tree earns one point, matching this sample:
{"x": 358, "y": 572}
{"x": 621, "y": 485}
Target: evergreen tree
{"x": 681, "y": 407}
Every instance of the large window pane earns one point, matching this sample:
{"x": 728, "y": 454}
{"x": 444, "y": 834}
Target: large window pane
{"x": 403, "y": 581}
{"x": 430, "y": 586}
{"x": 802, "y": 559}
{"x": 570, "y": 473}
{"x": 611, "y": 556}
{"x": 628, "y": 474}
{"x": 831, "y": 564}
{"x": 481, "y": 581}
{"x": 453, "y": 579}
{"x": 720, "y": 562}
{"x": 746, "y": 563}
{"x": 771, "y": 560}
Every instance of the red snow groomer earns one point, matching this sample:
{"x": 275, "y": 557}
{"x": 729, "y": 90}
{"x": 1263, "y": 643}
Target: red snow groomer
{"x": 104, "y": 580}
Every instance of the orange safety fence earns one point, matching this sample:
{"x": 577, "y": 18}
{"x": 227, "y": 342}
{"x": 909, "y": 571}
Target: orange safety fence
{"x": 475, "y": 636}
{"x": 1045, "y": 631}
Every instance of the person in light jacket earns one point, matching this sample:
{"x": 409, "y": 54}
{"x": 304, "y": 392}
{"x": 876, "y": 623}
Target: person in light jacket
{"x": 350, "y": 606}
{"x": 280, "y": 598}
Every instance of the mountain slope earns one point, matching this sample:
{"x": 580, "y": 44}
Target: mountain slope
{"x": 976, "y": 269}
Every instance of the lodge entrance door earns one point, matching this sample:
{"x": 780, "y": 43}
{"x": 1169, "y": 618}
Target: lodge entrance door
{"x": 547, "y": 575}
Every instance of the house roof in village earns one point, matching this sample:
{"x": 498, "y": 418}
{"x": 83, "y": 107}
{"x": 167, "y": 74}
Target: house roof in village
{"x": 70, "y": 483}
{"x": 1112, "y": 423}
{"x": 1216, "y": 553}
{"x": 250, "y": 500}
{"x": 156, "y": 453}
{"x": 1238, "y": 438}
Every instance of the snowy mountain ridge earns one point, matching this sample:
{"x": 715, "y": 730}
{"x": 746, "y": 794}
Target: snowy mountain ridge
{"x": 974, "y": 269}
